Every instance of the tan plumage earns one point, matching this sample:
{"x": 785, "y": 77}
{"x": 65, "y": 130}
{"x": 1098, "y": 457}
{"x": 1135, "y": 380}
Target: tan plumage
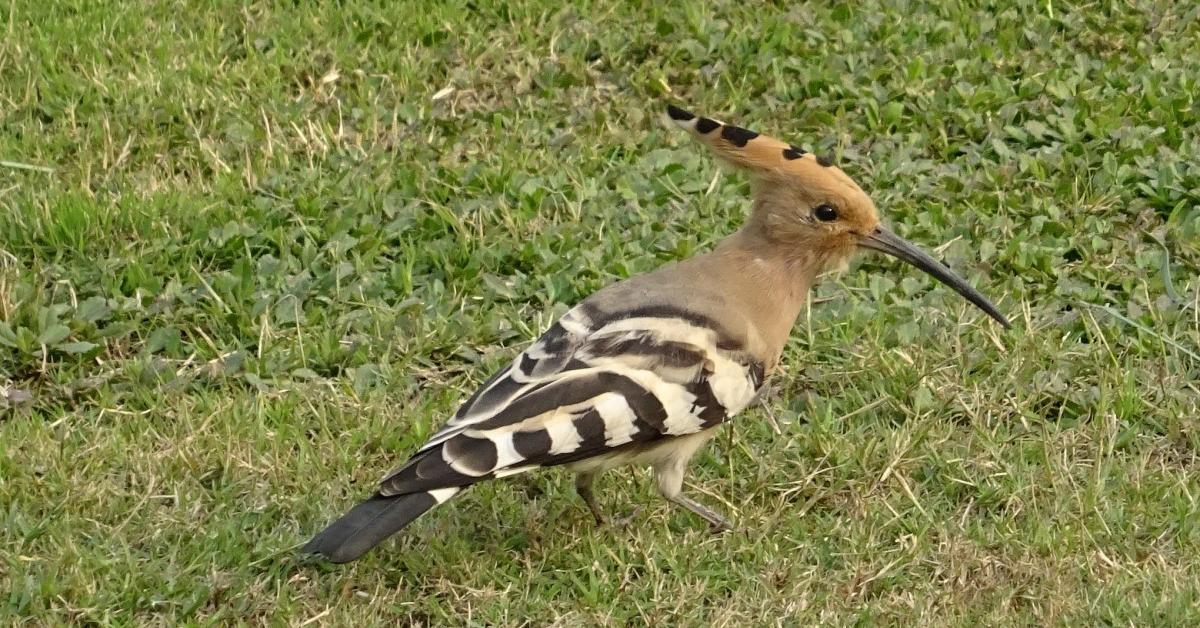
{"x": 644, "y": 371}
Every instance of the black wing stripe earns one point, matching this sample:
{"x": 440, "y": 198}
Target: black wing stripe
{"x": 473, "y": 456}
{"x": 669, "y": 353}
{"x": 427, "y": 472}
{"x": 590, "y": 426}
{"x": 493, "y": 395}
{"x": 555, "y": 341}
{"x": 648, "y": 411}
{"x": 527, "y": 364}
{"x": 573, "y": 391}
{"x": 706, "y": 406}
{"x": 532, "y": 443}
{"x": 725, "y": 340}
{"x": 466, "y": 407}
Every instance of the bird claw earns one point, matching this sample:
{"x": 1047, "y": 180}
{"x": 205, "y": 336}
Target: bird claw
{"x": 721, "y": 527}
{"x": 624, "y": 522}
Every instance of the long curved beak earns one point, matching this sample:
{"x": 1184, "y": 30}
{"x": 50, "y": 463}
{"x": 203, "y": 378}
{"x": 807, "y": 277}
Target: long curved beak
{"x": 887, "y": 242}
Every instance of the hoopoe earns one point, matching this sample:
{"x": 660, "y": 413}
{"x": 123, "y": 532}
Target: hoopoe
{"x": 646, "y": 370}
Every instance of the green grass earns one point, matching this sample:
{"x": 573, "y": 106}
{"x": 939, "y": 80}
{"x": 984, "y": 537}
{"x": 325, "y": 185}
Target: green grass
{"x": 251, "y": 255}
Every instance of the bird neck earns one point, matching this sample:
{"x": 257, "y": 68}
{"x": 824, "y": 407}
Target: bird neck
{"x": 771, "y": 282}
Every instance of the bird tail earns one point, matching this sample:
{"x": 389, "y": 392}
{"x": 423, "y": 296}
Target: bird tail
{"x": 369, "y": 523}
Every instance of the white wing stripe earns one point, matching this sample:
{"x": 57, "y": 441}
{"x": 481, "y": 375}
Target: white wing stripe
{"x": 506, "y": 452}
{"x": 620, "y": 424}
{"x": 564, "y": 438}
{"x": 442, "y": 494}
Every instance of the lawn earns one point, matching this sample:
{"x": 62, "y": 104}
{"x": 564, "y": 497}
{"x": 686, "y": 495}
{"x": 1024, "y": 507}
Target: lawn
{"x": 252, "y": 254}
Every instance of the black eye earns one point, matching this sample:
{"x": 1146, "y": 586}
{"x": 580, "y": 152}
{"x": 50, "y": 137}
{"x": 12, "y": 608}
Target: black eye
{"x": 825, "y": 213}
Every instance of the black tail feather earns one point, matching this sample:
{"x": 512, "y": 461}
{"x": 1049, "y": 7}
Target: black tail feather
{"x": 367, "y": 525}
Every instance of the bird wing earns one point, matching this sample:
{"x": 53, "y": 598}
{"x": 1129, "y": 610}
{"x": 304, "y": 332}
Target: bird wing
{"x": 592, "y": 384}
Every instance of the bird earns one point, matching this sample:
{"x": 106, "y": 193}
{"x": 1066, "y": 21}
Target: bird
{"x": 646, "y": 370}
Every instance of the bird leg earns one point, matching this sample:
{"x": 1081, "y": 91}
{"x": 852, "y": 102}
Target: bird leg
{"x": 669, "y": 478}
{"x": 583, "y": 486}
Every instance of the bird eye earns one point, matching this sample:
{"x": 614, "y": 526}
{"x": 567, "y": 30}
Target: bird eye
{"x": 825, "y": 213}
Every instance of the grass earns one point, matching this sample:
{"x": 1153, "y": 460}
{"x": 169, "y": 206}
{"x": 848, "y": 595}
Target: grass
{"x": 251, "y": 254}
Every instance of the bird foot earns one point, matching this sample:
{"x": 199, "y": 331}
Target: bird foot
{"x": 624, "y": 522}
{"x": 717, "y": 522}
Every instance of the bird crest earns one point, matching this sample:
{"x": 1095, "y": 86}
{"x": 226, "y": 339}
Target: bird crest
{"x": 758, "y": 154}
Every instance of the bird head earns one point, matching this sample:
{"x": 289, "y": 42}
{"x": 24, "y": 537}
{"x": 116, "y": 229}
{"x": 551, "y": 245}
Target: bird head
{"x": 807, "y": 206}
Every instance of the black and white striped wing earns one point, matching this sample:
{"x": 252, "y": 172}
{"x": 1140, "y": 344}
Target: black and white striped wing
{"x": 589, "y": 386}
